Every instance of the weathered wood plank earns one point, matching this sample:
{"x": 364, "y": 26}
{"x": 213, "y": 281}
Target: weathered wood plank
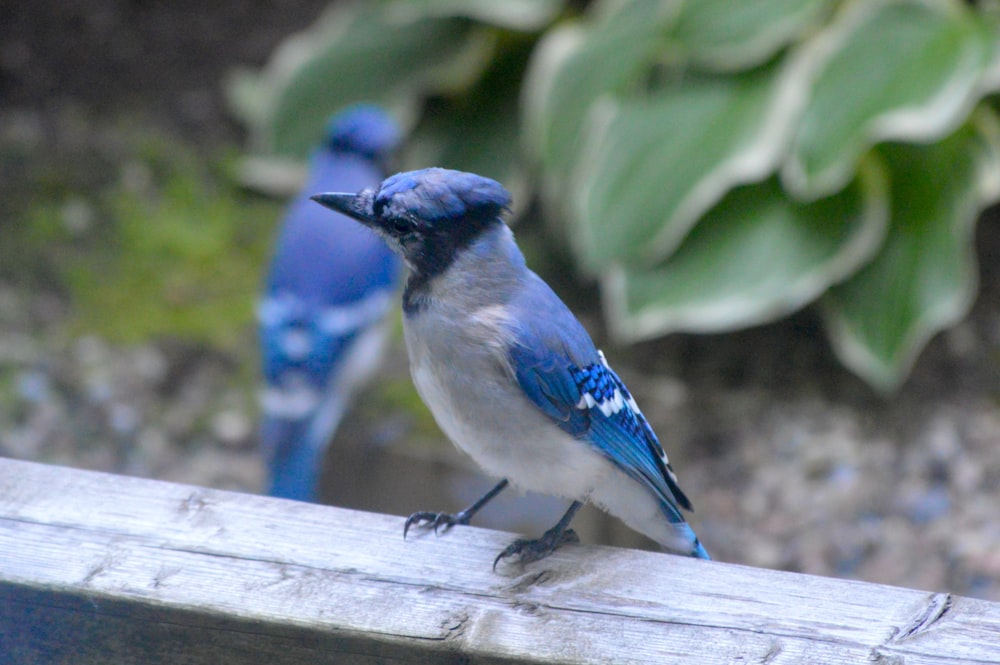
{"x": 96, "y": 568}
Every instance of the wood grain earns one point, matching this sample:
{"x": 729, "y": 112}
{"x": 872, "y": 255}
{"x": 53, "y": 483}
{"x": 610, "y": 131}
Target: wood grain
{"x": 98, "y": 568}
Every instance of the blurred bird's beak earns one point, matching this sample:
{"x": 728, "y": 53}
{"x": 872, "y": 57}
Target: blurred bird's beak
{"x": 352, "y": 205}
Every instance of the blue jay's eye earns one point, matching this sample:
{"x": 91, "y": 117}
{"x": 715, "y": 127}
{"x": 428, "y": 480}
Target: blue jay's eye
{"x": 399, "y": 226}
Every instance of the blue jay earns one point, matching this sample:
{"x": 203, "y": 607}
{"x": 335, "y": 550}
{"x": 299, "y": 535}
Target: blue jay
{"x": 330, "y": 285}
{"x": 509, "y": 373}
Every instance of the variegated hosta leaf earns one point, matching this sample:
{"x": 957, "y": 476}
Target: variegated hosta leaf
{"x": 652, "y": 166}
{"x": 358, "y": 52}
{"x": 575, "y": 63}
{"x": 732, "y": 36}
{"x": 513, "y": 14}
{"x": 280, "y": 177}
{"x": 991, "y": 22}
{"x": 924, "y": 278}
{"x": 756, "y": 256}
{"x": 907, "y": 70}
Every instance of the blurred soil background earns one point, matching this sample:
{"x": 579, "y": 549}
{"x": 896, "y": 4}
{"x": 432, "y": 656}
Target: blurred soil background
{"x": 130, "y": 259}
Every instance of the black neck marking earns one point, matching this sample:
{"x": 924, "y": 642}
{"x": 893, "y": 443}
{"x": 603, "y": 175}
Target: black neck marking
{"x": 434, "y": 251}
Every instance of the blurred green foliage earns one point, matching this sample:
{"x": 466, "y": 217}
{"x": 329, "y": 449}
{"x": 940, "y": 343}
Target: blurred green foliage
{"x": 173, "y": 247}
{"x": 713, "y": 164}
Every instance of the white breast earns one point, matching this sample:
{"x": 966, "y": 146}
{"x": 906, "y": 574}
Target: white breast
{"x": 458, "y": 345}
{"x": 475, "y": 400}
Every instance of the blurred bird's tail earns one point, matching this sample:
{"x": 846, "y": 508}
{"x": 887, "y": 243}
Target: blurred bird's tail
{"x": 294, "y": 447}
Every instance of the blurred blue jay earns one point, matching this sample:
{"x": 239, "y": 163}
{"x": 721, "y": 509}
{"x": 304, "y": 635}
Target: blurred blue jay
{"x": 330, "y": 285}
{"x": 508, "y": 372}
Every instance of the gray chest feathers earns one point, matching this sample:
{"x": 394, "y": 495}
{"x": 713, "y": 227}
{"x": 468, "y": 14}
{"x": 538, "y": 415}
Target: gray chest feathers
{"x": 458, "y": 343}
{"x": 460, "y": 366}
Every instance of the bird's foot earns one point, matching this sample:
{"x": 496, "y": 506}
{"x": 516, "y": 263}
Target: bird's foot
{"x": 428, "y": 520}
{"x": 532, "y": 550}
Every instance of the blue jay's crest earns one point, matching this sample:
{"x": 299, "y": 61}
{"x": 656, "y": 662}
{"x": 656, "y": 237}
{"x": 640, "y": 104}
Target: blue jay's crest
{"x": 434, "y": 195}
{"x": 427, "y": 216}
{"x": 363, "y": 129}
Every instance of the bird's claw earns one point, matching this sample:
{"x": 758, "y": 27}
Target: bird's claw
{"x": 532, "y": 550}
{"x": 427, "y": 519}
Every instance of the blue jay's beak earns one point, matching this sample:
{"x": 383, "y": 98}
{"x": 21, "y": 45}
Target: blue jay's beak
{"x": 352, "y": 205}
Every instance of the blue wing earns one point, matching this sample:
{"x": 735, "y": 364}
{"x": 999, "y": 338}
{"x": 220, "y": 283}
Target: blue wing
{"x": 560, "y": 371}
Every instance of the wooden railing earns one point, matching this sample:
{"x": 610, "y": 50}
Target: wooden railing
{"x": 97, "y": 568}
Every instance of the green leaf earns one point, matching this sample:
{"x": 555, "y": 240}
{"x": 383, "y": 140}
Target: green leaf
{"x": 654, "y": 165}
{"x": 523, "y": 15}
{"x": 731, "y": 36}
{"x": 278, "y": 177}
{"x": 991, "y": 24}
{"x": 357, "y": 53}
{"x": 756, "y": 256}
{"x": 886, "y": 70}
{"x": 574, "y": 64}
{"x": 248, "y": 96}
{"x": 924, "y": 278}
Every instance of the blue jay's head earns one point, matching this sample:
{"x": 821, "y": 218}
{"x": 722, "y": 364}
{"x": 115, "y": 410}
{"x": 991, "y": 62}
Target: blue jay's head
{"x": 363, "y": 129}
{"x": 427, "y": 216}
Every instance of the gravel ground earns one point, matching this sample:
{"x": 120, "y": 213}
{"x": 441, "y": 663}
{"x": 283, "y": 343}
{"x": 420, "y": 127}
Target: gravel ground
{"x": 792, "y": 462}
